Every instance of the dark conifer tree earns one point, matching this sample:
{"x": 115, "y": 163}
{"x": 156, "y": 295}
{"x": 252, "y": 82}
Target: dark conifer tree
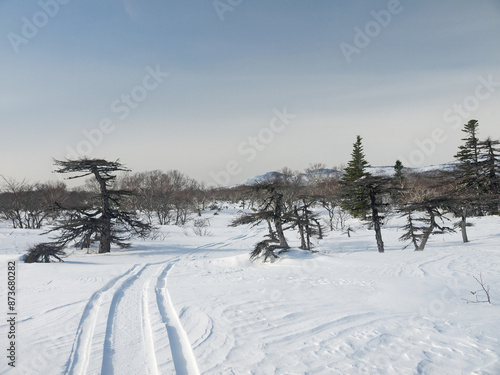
{"x": 469, "y": 167}
{"x": 399, "y": 182}
{"x": 424, "y": 219}
{"x": 104, "y": 219}
{"x": 355, "y": 200}
{"x": 433, "y": 213}
{"x": 375, "y": 188}
{"x": 306, "y": 221}
{"x": 271, "y": 208}
{"x": 356, "y": 167}
{"x": 412, "y": 232}
{"x": 398, "y": 172}
{"x": 489, "y": 154}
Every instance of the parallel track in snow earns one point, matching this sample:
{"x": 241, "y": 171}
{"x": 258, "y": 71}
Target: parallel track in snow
{"x": 130, "y": 326}
{"x": 182, "y": 352}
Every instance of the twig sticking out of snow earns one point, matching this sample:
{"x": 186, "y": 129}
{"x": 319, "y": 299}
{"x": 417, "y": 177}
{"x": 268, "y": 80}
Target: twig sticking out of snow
{"x": 485, "y": 289}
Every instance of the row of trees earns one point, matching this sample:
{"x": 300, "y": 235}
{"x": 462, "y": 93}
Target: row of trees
{"x": 478, "y": 178}
{"x": 427, "y": 200}
{"x": 163, "y": 197}
{"x": 472, "y": 188}
{"x": 28, "y": 205}
{"x": 109, "y": 209}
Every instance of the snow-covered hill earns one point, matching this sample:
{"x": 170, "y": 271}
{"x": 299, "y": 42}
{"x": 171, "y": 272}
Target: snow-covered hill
{"x": 336, "y": 173}
{"x": 184, "y": 304}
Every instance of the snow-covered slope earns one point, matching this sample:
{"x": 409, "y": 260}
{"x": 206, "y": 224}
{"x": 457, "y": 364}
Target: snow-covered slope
{"x": 336, "y": 173}
{"x": 184, "y": 304}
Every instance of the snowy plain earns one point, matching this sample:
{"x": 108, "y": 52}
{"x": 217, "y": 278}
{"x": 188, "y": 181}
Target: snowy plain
{"x": 187, "y": 304}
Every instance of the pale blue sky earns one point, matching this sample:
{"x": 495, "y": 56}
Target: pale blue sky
{"x": 227, "y": 78}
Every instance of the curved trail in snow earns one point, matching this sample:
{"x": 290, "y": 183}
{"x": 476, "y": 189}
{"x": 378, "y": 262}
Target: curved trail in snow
{"x": 130, "y": 326}
{"x": 182, "y": 352}
{"x": 80, "y": 353}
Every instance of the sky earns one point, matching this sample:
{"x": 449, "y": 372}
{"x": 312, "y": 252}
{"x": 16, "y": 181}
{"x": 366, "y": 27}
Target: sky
{"x": 228, "y": 89}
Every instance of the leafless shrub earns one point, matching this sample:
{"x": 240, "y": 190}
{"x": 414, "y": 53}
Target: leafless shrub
{"x": 481, "y": 295}
{"x": 157, "y": 235}
{"x": 200, "y": 227}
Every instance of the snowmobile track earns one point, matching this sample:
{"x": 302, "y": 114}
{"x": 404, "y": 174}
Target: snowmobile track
{"x": 80, "y": 353}
{"x": 182, "y": 352}
{"x": 132, "y": 312}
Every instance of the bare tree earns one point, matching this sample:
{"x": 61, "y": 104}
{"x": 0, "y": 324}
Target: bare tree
{"x": 328, "y": 195}
{"x": 167, "y": 197}
{"x": 27, "y": 205}
{"x": 13, "y": 201}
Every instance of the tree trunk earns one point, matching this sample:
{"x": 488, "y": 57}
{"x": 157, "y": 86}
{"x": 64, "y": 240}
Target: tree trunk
{"x": 428, "y": 231}
{"x": 307, "y": 229}
{"x": 331, "y": 212}
{"x": 320, "y": 230}
{"x": 463, "y": 226}
{"x": 308, "y": 238}
{"x": 376, "y": 222}
{"x": 105, "y": 240}
{"x": 278, "y": 221}
{"x": 272, "y": 235}
{"x": 303, "y": 244}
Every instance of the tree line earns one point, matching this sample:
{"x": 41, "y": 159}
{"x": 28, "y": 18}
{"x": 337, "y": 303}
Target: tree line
{"x": 428, "y": 201}
{"x": 109, "y": 209}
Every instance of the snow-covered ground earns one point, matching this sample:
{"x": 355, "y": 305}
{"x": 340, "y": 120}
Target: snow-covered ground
{"x": 189, "y": 304}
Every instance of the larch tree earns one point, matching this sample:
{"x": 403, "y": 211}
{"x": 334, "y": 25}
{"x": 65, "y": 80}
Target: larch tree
{"x": 424, "y": 219}
{"x": 271, "y": 208}
{"x": 306, "y": 220}
{"x": 376, "y": 188}
{"x": 105, "y": 220}
{"x": 412, "y": 231}
{"x": 328, "y": 196}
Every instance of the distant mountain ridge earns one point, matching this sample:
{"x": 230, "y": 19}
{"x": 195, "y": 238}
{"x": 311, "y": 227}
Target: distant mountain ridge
{"x": 325, "y": 173}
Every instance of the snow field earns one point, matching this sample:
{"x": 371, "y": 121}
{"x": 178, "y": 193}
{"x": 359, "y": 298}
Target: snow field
{"x": 197, "y": 305}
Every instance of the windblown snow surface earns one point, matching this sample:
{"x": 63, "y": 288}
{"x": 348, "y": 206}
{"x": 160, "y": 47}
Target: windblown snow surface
{"x": 187, "y": 304}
